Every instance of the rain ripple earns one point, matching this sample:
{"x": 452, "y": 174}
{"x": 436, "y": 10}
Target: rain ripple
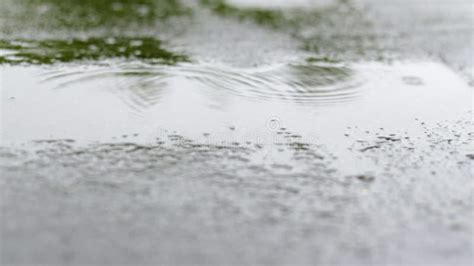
{"x": 141, "y": 86}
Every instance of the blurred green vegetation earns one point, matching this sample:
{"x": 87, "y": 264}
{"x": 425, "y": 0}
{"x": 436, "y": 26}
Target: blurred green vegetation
{"x": 65, "y": 29}
{"x": 54, "y": 51}
{"x": 289, "y": 19}
{"x": 51, "y": 31}
{"x": 268, "y": 17}
{"x": 86, "y": 14}
{"x": 333, "y": 32}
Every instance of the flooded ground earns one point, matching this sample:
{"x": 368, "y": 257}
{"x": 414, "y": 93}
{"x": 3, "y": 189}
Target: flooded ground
{"x": 236, "y": 132}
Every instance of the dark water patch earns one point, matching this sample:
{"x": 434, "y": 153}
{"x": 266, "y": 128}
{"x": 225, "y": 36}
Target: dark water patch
{"x": 56, "y": 51}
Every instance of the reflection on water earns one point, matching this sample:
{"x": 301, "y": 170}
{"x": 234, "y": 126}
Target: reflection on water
{"x": 140, "y": 84}
{"x": 54, "y": 51}
{"x": 137, "y": 88}
{"x": 141, "y": 93}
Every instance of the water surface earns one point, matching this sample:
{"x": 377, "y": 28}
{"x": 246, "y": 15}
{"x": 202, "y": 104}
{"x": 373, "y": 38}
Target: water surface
{"x": 236, "y": 132}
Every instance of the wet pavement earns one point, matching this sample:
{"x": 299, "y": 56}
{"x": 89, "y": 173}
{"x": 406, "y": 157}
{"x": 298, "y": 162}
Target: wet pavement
{"x": 234, "y": 133}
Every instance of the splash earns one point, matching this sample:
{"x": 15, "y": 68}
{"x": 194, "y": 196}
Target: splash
{"x": 140, "y": 85}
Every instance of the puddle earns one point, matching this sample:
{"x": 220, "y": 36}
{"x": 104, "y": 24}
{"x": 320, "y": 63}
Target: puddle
{"x": 300, "y": 83}
{"x": 249, "y": 132}
{"x": 137, "y": 102}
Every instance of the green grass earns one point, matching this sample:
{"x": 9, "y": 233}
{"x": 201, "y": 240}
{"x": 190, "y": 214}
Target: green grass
{"x": 54, "y": 51}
